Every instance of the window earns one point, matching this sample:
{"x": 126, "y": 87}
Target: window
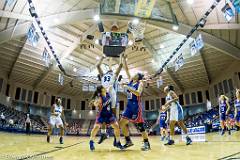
{"x": 207, "y": 95}
{"x": 53, "y": 100}
{"x": 200, "y": 97}
{"x": 187, "y": 98}
{"x": 1, "y": 85}
{"x": 147, "y": 105}
{"x": 230, "y": 83}
{"x": 193, "y": 95}
{"x": 239, "y": 75}
{"x": 121, "y": 105}
{"x": 93, "y": 108}
{"x": 63, "y": 102}
{"x": 152, "y": 105}
{"x": 7, "y": 90}
{"x": 68, "y": 103}
{"x": 29, "y": 99}
{"x": 181, "y": 99}
{"x": 225, "y": 86}
{"x": 158, "y": 103}
{"x": 163, "y": 100}
{"x": 35, "y": 97}
{"x": 24, "y": 92}
{"x": 220, "y": 87}
{"x": 82, "y": 105}
{"x": 18, "y": 92}
{"x": 215, "y": 90}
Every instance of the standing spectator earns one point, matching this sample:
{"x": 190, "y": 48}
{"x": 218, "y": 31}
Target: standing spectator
{"x": 28, "y": 125}
{"x": 3, "y": 120}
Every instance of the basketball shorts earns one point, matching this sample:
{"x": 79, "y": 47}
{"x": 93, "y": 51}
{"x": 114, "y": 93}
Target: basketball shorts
{"x": 176, "y": 113}
{"x": 238, "y": 118}
{"x": 223, "y": 117}
{"x": 108, "y": 120}
{"x": 162, "y": 124}
{"x": 133, "y": 112}
{"x": 55, "y": 121}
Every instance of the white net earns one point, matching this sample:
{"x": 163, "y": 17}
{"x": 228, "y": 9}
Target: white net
{"x": 137, "y": 30}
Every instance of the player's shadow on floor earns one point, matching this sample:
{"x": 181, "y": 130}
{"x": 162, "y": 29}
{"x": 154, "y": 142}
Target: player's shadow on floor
{"x": 117, "y": 151}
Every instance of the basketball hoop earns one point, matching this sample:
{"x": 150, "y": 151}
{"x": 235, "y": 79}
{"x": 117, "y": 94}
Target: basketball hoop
{"x": 137, "y": 30}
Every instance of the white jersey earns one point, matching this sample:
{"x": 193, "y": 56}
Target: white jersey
{"x": 108, "y": 80}
{"x": 176, "y": 111}
{"x": 57, "y": 110}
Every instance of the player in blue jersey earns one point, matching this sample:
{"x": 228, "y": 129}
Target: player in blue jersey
{"x": 176, "y": 114}
{"x": 102, "y": 100}
{"x": 162, "y": 121}
{"x": 237, "y": 107}
{"x": 224, "y": 109}
{"x": 133, "y": 111}
{"x": 108, "y": 81}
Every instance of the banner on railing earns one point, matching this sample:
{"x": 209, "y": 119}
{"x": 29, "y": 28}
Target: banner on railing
{"x": 196, "y": 130}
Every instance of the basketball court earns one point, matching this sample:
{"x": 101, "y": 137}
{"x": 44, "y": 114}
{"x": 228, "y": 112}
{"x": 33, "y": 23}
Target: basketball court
{"x": 20, "y": 147}
{"x": 76, "y": 64}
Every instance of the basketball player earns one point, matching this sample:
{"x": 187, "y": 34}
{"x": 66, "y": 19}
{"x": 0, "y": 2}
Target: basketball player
{"x": 28, "y": 125}
{"x": 237, "y": 107}
{"x": 133, "y": 111}
{"x": 224, "y": 109}
{"x": 102, "y": 100}
{"x": 162, "y": 121}
{"x": 108, "y": 81}
{"x": 176, "y": 114}
{"x": 57, "y": 119}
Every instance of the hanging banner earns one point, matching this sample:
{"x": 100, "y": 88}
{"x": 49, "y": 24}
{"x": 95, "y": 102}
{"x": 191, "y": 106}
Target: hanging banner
{"x": 10, "y": 2}
{"x": 60, "y": 79}
{"x": 33, "y": 36}
{"x": 179, "y": 62}
{"x": 46, "y": 57}
{"x": 196, "y": 45}
{"x": 85, "y": 88}
{"x": 159, "y": 82}
{"x": 92, "y": 87}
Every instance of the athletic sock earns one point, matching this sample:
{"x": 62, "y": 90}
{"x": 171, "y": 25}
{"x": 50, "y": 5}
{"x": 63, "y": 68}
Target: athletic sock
{"x": 128, "y": 138}
{"x": 103, "y": 131}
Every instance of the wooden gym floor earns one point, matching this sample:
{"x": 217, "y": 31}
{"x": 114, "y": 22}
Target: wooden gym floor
{"x": 22, "y": 147}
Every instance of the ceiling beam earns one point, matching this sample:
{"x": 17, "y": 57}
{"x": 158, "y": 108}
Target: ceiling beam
{"x": 87, "y": 15}
{"x": 8, "y": 14}
{"x": 16, "y": 59}
{"x": 222, "y": 26}
{"x": 153, "y": 52}
{"x": 66, "y": 53}
{"x": 205, "y": 67}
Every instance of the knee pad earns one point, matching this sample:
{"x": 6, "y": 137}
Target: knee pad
{"x": 140, "y": 127}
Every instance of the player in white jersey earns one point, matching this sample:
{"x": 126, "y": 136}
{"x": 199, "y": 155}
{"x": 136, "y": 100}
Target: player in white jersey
{"x": 176, "y": 114}
{"x": 57, "y": 119}
{"x": 108, "y": 81}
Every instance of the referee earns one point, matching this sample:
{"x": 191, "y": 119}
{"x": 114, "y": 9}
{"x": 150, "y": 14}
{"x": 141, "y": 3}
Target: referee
{"x": 28, "y": 125}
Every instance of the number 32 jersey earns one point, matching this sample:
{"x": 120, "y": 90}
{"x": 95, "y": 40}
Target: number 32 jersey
{"x": 108, "y": 79}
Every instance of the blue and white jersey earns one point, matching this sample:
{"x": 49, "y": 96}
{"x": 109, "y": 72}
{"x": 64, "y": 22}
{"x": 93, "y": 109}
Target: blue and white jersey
{"x": 222, "y": 107}
{"x": 237, "y": 105}
{"x": 163, "y": 116}
{"x": 57, "y": 110}
{"x": 176, "y": 111}
{"x": 108, "y": 80}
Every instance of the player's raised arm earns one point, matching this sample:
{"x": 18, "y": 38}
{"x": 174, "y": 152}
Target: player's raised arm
{"x": 126, "y": 67}
{"x": 100, "y": 71}
{"x": 137, "y": 92}
{"x": 120, "y": 66}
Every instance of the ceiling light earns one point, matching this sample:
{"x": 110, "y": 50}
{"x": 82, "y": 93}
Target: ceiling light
{"x": 96, "y": 18}
{"x": 135, "y": 21}
{"x": 96, "y": 41}
{"x": 175, "y": 27}
{"x": 71, "y": 58}
{"x": 74, "y": 69}
{"x": 130, "y": 42}
{"x": 97, "y": 58}
{"x": 162, "y": 46}
{"x": 190, "y": 1}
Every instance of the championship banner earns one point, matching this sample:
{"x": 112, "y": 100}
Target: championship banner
{"x": 179, "y": 62}
{"x": 46, "y": 57}
{"x": 159, "y": 82}
{"x": 193, "y": 48}
{"x": 144, "y": 8}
